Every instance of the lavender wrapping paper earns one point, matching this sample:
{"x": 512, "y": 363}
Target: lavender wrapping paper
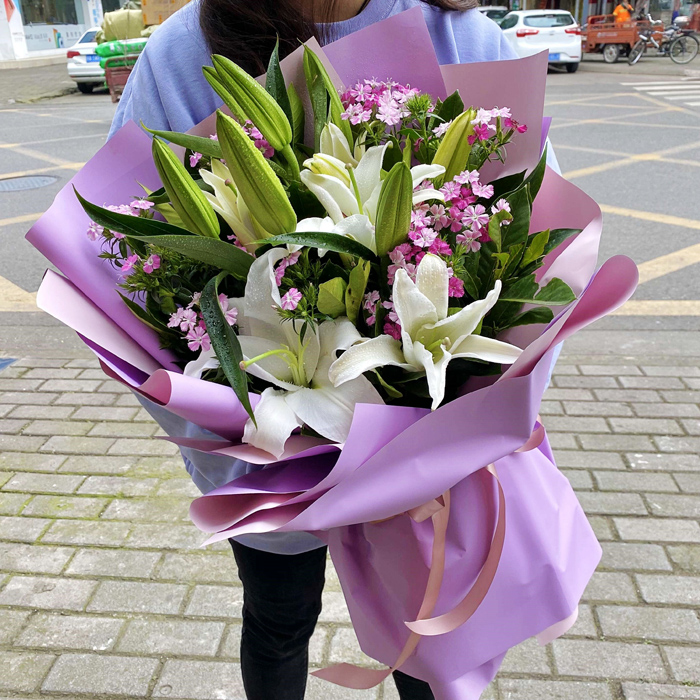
{"x": 395, "y": 458}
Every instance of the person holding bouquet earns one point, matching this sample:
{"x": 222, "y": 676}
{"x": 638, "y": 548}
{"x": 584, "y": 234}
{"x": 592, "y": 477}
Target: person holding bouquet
{"x": 282, "y": 573}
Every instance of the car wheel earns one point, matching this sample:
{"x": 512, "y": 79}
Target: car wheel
{"x": 611, "y": 53}
{"x": 85, "y": 88}
{"x": 571, "y": 67}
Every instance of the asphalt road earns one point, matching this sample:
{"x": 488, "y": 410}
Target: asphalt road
{"x": 630, "y": 141}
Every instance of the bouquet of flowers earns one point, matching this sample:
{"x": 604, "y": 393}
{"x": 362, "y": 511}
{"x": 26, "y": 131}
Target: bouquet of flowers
{"x": 331, "y": 278}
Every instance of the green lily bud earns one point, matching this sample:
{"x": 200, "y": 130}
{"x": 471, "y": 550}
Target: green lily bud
{"x": 454, "y": 149}
{"x": 215, "y": 81}
{"x": 256, "y": 181}
{"x": 250, "y": 101}
{"x": 187, "y": 199}
{"x": 394, "y": 209}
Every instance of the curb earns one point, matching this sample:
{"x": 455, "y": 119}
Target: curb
{"x": 40, "y": 62}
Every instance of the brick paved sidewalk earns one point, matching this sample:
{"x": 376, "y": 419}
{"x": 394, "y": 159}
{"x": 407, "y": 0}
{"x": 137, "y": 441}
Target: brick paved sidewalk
{"x": 105, "y": 593}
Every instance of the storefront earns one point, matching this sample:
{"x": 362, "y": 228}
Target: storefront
{"x": 28, "y": 27}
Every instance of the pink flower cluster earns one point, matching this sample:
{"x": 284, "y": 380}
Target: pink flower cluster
{"x": 192, "y": 323}
{"x": 283, "y": 264}
{"x": 149, "y": 265}
{"x": 134, "y": 208}
{"x": 260, "y": 141}
{"x": 373, "y": 99}
{"x": 483, "y": 128}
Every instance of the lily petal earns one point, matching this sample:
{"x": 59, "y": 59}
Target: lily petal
{"x": 336, "y": 198}
{"x": 329, "y": 410}
{"x": 368, "y": 172}
{"x": 435, "y": 372}
{"x": 276, "y": 421}
{"x": 489, "y": 349}
{"x": 207, "y": 360}
{"x": 425, "y": 172}
{"x": 359, "y": 228}
{"x": 272, "y": 369}
{"x": 413, "y": 308}
{"x": 334, "y": 143}
{"x": 366, "y": 355}
{"x": 433, "y": 280}
{"x": 261, "y": 294}
{"x": 425, "y": 195}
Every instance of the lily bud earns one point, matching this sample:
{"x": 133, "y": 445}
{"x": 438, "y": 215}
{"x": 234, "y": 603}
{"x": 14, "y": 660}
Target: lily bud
{"x": 323, "y": 164}
{"x": 250, "y": 101}
{"x": 334, "y": 143}
{"x": 394, "y": 209}
{"x": 454, "y": 149}
{"x": 188, "y": 200}
{"x": 257, "y": 183}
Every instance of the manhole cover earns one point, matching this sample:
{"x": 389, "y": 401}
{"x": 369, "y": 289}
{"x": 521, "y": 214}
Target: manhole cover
{"x": 14, "y": 184}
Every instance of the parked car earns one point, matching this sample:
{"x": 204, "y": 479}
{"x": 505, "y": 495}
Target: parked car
{"x": 556, "y": 31}
{"x": 84, "y": 63}
{"x": 494, "y": 12}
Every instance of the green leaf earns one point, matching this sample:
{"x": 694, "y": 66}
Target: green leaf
{"x": 557, "y": 236}
{"x": 556, "y": 293}
{"x": 327, "y": 241}
{"x": 522, "y": 290}
{"x": 535, "y": 249}
{"x": 515, "y": 255}
{"x": 225, "y": 342}
{"x": 451, "y": 108}
{"x": 518, "y": 230}
{"x": 541, "y": 314}
{"x": 534, "y": 179}
{"x": 298, "y": 114}
{"x": 319, "y": 100}
{"x": 331, "y": 297}
{"x": 470, "y": 284}
{"x": 495, "y": 229}
{"x": 356, "y": 289}
{"x": 506, "y": 185}
{"x": 142, "y": 314}
{"x": 394, "y": 209}
{"x": 218, "y": 254}
{"x": 274, "y": 82}
{"x": 200, "y": 144}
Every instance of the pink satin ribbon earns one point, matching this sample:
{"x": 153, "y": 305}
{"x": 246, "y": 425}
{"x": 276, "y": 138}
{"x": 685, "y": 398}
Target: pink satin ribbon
{"x": 358, "y": 678}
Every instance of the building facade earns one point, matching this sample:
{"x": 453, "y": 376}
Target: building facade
{"x": 44, "y": 27}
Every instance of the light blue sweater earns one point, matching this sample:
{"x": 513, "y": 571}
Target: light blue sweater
{"x": 168, "y": 91}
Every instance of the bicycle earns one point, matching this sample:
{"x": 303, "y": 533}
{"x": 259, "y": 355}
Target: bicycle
{"x": 679, "y": 44}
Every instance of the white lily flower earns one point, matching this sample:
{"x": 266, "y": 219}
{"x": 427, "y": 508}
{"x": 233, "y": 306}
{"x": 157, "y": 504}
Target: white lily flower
{"x": 357, "y": 227}
{"x": 349, "y": 185}
{"x": 429, "y": 337}
{"x": 228, "y": 202}
{"x": 273, "y": 351}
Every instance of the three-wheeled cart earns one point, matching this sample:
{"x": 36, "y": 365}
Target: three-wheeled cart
{"x": 613, "y": 39}
{"x": 117, "y": 71}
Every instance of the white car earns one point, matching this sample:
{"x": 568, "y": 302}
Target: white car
{"x": 556, "y": 31}
{"x": 494, "y": 12}
{"x": 84, "y": 63}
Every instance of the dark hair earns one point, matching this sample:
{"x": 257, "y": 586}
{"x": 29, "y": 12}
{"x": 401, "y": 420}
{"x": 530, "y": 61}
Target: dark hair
{"x": 246, "y": 30}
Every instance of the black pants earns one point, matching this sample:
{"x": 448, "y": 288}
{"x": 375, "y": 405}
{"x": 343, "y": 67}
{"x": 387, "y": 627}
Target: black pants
{"x": 281, "y": 604}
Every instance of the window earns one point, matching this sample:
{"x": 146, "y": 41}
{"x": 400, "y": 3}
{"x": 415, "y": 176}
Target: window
{"x": 88, "y": 37}
{"x": 50, "y": 12}
{"x": 546, "y": 21}
{"x": 509, "y": 22}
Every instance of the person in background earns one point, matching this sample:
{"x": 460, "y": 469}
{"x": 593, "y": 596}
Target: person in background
{"x": 282, "y": 573}
{"x": 623, "y": 12}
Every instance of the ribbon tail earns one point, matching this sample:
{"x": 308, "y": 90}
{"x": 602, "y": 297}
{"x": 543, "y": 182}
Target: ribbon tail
{"x": 467, "y": 607}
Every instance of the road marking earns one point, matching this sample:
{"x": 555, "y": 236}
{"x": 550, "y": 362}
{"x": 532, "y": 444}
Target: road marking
{"x": 611, "y": 120}
{"x": 666, "y": 264}
{"x": 669, "y": 87}
{"x": 645, "y": 307}
{"x": 39, "y": 171}
{"x": 61, "y": 138}
{"x": 629, "y": 160}
{"x": 15, "y": 299}
{"x": 38, "y": 155}
{"x": 685, "y": 96}
{"x": 19, "y": 219}
{"x": 658, "y": 126}
{"x": 693, "y": 104}
{"x": 658, "y": 82}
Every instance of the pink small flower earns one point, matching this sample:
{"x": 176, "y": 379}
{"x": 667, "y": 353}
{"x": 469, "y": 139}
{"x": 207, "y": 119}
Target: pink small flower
{"x": 230, "y": 314}
{"x": 481, "y": 132}
{"x": 392, "y": 329}
{"x": 141, "y": 204}
{"x": 284, "y": 264}
{"x": 152, "y": 263}
{"x": 456, "y": 287}
{"x": 521, "y": 128}
{"x": 370, "y": 301}
{"x": 94, "y": 231}
{"x": 175, "y": 318}
{"x": 468, "y": 177}
{"x": 194, "y": 159}
{"x": 198, "y": 339}
{"x": 450, "y": 190}
{"x": 195, "y": 299}
{"x": 440, "y": 247}
{"x": 483, "y": 117}
{"x": 130, "y": 263}
{"x": 423, "y": 237}
{"x": 214, "y": 137}
{"x": 502, "y": 112}
{"x": 291, "y": 299}
{"x": 485, "y": 191}
{"x": 470, "y": 242}
{"x": 442, "y": 128}
{"x": 475, "y": 216}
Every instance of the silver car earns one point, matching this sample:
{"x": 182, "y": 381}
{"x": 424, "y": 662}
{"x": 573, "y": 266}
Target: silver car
{"x": 84, "y": 63}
